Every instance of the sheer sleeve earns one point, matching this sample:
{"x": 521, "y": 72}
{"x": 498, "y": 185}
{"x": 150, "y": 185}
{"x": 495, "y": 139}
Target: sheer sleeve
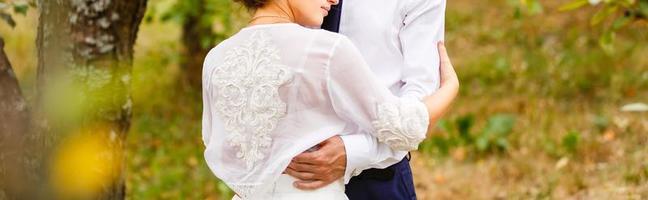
{"x": 206, "y": 114}
{"x": 358, "y": 97}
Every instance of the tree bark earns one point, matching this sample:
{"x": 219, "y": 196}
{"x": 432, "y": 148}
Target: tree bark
{"x": 13, "y": 132}
{"x": 89, "y": 43}
{"x": 194, "y": 31}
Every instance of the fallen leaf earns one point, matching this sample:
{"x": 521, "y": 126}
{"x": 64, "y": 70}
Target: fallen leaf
{"x": 621, "y": 122}
{"x": 635, "y": 107}
{"x": 439, "y": 179}
{"x": 192, "y": 161}
{"x": 562, "y": 163}
{"x": 459, "y": 154}
{"x": 609, "y": 135}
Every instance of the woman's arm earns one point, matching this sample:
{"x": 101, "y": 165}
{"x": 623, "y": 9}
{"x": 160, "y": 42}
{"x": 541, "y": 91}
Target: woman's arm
{"x": 359, "y": 97}
{"x": 330, "y": 150}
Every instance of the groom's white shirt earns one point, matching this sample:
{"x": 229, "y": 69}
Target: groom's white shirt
{"x": 398, "y": 39}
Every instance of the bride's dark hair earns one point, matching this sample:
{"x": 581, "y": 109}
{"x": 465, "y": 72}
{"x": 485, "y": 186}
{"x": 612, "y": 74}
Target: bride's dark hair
{"x": 253, "y": 4}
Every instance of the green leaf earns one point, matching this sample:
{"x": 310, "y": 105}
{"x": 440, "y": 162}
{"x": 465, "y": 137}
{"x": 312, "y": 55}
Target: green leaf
{"x": 444, "y": 125}
{"x": 606, "y": 40}
{"x": 517, "y": 13}
{"x": 495, "y": 133}
{"x": 570, "y": 141}
{"x": 441, "y": 144}
{"x": 463, "y": 125}
{"x": 21, "y": 8}
{"x": 499, "y": 125}
{"x": 426, "y": 146}
{"x": 643, "y": 8}
{"x": 482, "y": 143}
{"x": 573, "y": 5}
{"x": 550, "y": 147}
{"x": 602, "y": 14}
{"x": 502, "y": 143}
{"x": 621, "y": 22}
{"x": 535, "y": 7}
{"x": 601, "y": 122}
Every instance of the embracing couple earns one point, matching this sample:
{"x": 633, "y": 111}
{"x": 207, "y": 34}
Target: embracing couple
{"x": 293, "y": 110}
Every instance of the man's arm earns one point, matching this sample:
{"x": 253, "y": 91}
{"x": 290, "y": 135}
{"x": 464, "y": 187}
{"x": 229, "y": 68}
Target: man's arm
{"x": 365, "y": 152}
{"x": 341, "y": 156}
{"x": 347, "y": 155}
{"x": 320, "y": 167}
{"x": 423, "y": 27}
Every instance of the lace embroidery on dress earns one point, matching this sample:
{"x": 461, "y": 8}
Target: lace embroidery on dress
{"x": 242, "y": 191}
{"x": 247, "y": 96}
{"x": 402, "y": 124}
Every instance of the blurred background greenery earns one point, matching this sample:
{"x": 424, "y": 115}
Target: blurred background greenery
{"x": 539, "y": 113}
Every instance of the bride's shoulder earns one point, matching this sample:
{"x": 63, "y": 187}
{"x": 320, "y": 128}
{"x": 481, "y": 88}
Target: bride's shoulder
{"x": 222, "y": 46}
{"x": 328, "y": 38}
{"x": 329, "y": 35}
{"x": 319, "y": 33}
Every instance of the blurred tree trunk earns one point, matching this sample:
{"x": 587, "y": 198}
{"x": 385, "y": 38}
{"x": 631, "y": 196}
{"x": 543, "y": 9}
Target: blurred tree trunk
{"x": 197, "y": 35}
{"x": 204, "y": 24}
{"x": 14, "y": 122}
{"x": 90, "y": 44}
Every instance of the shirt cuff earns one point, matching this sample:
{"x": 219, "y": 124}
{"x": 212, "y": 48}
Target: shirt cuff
{"x": 358, "y": 154}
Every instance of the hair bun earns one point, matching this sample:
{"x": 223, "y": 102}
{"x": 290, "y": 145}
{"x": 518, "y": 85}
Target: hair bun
{"x": 252, "y": 4}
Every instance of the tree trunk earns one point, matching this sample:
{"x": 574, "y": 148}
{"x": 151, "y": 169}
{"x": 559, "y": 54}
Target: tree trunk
{"x": 13, "y": 132}
{"x": 195, "y": 32}
{"x": 88, "y": 44}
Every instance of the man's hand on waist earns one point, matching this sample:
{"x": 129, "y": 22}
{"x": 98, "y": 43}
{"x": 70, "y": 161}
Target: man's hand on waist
{"x": 320, "y": 167}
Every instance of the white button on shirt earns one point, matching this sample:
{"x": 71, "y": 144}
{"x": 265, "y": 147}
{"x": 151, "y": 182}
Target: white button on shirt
{"x": 398, "y": 39}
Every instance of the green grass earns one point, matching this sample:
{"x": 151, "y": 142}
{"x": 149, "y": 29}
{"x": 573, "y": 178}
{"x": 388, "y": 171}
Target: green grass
{"x": 165, "y": 145}
{"x": 569, "y": 138}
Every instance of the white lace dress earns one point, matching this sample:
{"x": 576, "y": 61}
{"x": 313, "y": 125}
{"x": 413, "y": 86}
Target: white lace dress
{"x": 271, "y": 92}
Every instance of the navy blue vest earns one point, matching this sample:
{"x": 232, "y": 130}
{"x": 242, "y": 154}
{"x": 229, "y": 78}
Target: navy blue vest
{"x": 332, "y": 20}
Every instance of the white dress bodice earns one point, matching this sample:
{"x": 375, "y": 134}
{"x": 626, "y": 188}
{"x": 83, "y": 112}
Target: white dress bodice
{"x": 271, "y": 92}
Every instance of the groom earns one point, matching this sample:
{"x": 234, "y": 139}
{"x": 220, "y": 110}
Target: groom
{"x": 398, "y": 39}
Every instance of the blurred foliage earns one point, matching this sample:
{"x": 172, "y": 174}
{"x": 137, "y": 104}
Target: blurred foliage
{"x": 570, "y": 141}
{"x": 203, "y": 24}
{"x": 219, "y": 16}
{"x": 8, "y": 8}
{"x": 526, "y": 7}
{"x": 610, "y": 16}
{"x": 618, "y": 14}
{"x": 493, "y": 136}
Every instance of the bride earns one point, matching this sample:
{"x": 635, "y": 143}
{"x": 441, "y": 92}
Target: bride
{"x": 281, "y": 86}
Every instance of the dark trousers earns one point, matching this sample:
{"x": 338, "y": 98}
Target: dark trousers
{"x": 373, "y": 185}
